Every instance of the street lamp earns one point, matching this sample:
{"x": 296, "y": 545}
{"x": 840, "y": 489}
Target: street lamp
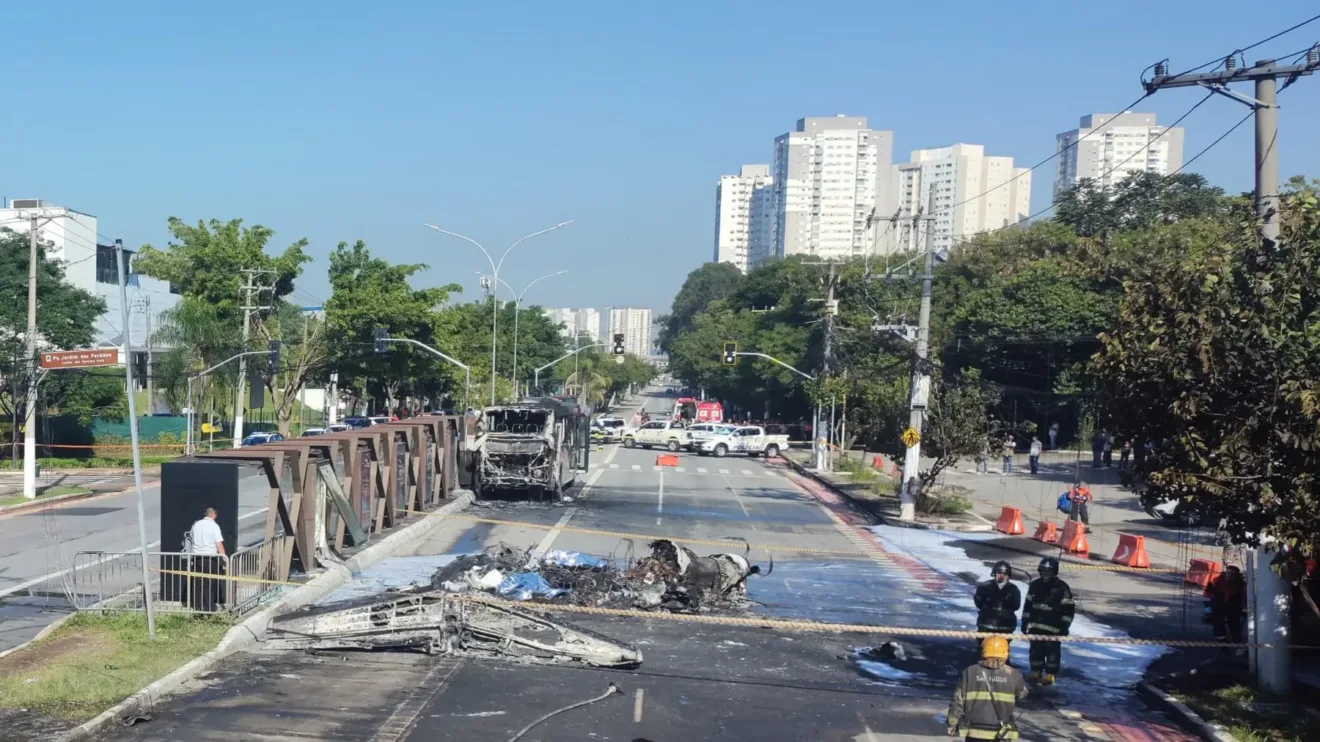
{"x": 517, "y": 305}
{"x": 495, "y": 274}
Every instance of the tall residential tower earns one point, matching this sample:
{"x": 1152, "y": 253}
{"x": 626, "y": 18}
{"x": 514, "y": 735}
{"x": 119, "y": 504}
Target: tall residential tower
{"x": 743, "y": 217}
{"x": 635, "y": 324}
{"x": 966, "y": 192}
{"x": 1116, "y": 151}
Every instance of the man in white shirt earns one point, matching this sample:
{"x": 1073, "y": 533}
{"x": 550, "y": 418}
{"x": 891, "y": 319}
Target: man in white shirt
{"x": 208, "y": 550}
{"x": 1034, "y": 453}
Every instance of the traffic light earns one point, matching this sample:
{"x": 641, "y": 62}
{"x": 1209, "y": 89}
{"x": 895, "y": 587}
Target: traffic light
{"x": 618, "y": 344}
{"x": 730, "y": 354}
{"x": 273, "y": 354}
{"x": 379, "y": 334}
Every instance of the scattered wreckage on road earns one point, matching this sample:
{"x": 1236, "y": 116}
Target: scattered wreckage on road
{"x": 456, "y": 614}
{"x": 535, "y": 446}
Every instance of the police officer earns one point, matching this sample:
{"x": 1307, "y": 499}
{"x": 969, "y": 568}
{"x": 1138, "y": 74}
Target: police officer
{"x": 986, "y": 696}
{"x": 1049, "y": 610}
{"x": 997, "y": 600}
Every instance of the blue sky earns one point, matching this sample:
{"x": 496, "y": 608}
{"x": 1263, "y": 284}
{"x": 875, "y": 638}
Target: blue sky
{"x": 338, "y": 121}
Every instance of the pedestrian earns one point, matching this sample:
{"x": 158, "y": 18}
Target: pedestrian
{"x": 207, "y": 545}
{"x": 1033, "y": 457}
{"x": 1009, "y": 447}
{"x": 1227, "y": 593}
{"x": 983, "y": 458}
{"x": 1080, "y": 510}
{"x": 1125, "y": 455}
{"x": 1048, "y": 611}
{"x": 1109, "y": 450}
{"x": 986, "y": 696}
{"x": 997, "y": 601}
{"x": 1054, "y": 436}
{"x": 1097, "y": 448}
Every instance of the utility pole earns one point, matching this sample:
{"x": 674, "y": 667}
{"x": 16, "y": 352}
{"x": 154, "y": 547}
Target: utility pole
{"x": 35, "y": 223}
{"x": 251, "y": 298}
{"x": 151, "y": 398}
{"x": 920, "y": 390}
{"x": 819, "y": 443}
{"x": 1271, "y": 596}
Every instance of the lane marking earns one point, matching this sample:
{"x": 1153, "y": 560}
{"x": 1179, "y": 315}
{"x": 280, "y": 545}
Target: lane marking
{"x": 20, "y": 587}
{"x": 637, "y": 706}
{"x": 701, "y": 471}
{"x": 614, "y": 466}
{"x": 724, "y": 472}
{"x": 405, "y": 714}
{"x": 660, "y": 501}
{"x": 550, "y": 537}
{"x": 679, "y": 468}
{"x": 655, "y": 468}
{"x": 637, "y": 467}
{"x": 747, "y": 472}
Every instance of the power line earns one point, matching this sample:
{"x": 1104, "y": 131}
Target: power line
{"x": 1266, "y": 40}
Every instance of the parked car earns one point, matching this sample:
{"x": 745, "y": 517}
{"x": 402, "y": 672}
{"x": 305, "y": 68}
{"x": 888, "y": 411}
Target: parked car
{"x": 751, "y": 440}
{"x": 261, "y": 436}
{"x": 313, "y": 432}
{"x": 336, "y": 428}
{"x": 358, "y": 422}
{"x": 608, "y": 429}
{"x": 378, "y": 420}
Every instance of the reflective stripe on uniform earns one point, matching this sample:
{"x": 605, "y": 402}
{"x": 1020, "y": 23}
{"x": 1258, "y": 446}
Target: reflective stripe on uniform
{"x": 991, "y": 734}
{"x": 987, "y": 695}
{"x": 1040, "y": 628}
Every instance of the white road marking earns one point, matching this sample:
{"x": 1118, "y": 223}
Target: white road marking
{"x": 660, "y": 500}
{"x": 614, "y": 466}
{"x": 637, "y": 467}
{"x": 724, "y": 471}
{"x": 550, "y": 537}
{"x": 406, "y": 713}
{"x": 20, "y": 587}
{"x": 701, "y": 471}
{"x": 637, "y": 706}
{"x": 747, "y": 472}
{"x": 729, "y": 486}
{"x": 679, "y": 468}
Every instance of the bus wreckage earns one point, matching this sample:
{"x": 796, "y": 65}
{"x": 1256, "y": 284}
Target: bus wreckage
{"x": 531, "y": 446}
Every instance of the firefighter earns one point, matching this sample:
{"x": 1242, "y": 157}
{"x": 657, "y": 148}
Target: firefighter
{"x": 997, "y": 601}
{"x": 986, "y": 696}
{"x": 1049, "y": 610}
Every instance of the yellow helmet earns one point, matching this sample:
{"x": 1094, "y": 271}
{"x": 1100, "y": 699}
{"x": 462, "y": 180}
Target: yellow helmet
{"x": 994, "y": 648}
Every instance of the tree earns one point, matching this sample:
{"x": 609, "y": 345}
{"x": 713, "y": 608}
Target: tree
{"x": 304, "y": 353}
{"x": 957, "y": 424}
{"x": 1216, "y": 358}
{"x": 704, "y": 285}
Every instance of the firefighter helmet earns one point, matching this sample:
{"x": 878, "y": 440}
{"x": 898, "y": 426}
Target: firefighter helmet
{"x": 994, "y": 648}
{"x": 1002, "y": 568}
{"x": 1049, "y": 567}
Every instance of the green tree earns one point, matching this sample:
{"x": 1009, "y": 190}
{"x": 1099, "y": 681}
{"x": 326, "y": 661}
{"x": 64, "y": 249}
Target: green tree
{"x": 957, "y": 423}
{"x": 704, "y": 285}
{"x": 1216, "y": 358}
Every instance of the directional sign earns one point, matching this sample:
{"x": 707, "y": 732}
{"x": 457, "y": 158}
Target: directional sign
{"x": 911, "y": 437}
{"x": 80, "y": 358}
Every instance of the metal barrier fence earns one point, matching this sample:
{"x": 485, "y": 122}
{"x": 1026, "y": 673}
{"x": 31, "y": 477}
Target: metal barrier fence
{"x": 112, "y": 581}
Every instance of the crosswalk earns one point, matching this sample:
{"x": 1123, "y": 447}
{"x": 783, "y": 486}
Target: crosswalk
{"x": 700, "y": 470}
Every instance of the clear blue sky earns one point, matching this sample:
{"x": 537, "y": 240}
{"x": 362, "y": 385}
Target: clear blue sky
{"x": 337, "y": 120}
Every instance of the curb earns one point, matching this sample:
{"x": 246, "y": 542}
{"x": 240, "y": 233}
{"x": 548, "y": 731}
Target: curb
{"x": 887, "y": 520}
{"x": 42, "y": 502}
{"x": 40, "y": 634}
{"x": 1187, "y": 718}
{"x": 247, "y": 633}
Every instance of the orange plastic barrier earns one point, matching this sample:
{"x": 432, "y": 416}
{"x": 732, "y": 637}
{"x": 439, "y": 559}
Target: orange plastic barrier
{"x": 1010, "y": 522}
{"x": 1074, "y": 538}
{"x": 666, "y": 459}
{"x": 1047, "y": 532}
{"x": 1201, "y": 572}
{"x": 1131, "y": 551}
{"x": 877, "y": 462}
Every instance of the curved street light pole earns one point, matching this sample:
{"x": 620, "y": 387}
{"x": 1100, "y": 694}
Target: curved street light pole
{"x": 537, "y": 373}
{"x": 495, "y": 273}
{"x": 517, "y": 307}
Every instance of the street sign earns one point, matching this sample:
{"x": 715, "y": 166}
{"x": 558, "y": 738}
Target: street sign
{"x": 80, "y": 358}
{"x": 911, "y": 437}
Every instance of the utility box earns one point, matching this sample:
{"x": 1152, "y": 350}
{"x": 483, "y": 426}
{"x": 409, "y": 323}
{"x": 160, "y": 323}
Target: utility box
{"x": 187, "y": 488}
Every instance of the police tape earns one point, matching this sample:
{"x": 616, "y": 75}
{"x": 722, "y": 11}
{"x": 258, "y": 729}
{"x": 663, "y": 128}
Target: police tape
{"x": 778, "y": 624}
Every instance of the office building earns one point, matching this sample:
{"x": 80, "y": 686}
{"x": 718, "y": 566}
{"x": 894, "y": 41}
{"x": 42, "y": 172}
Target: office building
{"x": 584, "y": 322}
{"x": 89, "y": 264}
{"x": 964, "y": 191}
{"x": 1125, "y": 143}
{"x": 830, "y": 175}
{"x": 635, "y": 324}
{"x": 743, "y": 217}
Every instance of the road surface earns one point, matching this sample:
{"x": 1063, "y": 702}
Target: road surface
{"x": 697, "y": 682}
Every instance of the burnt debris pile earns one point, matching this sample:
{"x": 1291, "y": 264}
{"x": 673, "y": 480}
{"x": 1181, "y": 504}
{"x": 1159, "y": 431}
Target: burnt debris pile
{"x": 670, "y": 578}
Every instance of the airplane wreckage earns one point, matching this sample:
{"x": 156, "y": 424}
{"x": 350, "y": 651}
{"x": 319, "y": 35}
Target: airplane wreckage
{"x": 455, "y": 615}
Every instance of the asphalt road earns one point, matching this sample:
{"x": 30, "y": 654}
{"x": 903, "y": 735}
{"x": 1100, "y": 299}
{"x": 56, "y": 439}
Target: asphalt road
{"x": 696, "y": 682}
{"x": 38, "y": 549}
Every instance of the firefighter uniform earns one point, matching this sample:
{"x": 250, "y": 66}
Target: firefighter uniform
{"x": 986, "y": 696}
{"x": 1049, "y": 610}
{"x": 996, "y": 606}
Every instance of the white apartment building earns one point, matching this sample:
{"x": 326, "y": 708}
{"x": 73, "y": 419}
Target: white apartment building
{"x": 89, "y": 263}
{"x": 743, "y": 217}
{"x": 964, "y": 191}
{"x": 635, "y": 324}
{"x": 830, "y": 174}
{"x": 1116, "y": 151}
{"x": 575, "y": 322}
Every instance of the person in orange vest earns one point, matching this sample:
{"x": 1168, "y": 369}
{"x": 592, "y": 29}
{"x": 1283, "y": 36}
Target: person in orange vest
{"x": 1080, "y": 497}
{"x": 1227, "y": 593}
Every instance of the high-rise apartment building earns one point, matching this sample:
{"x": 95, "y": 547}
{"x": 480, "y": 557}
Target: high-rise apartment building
{"x": 965, "y": 191}
{"x": 1117, "y": 150}
{"x": 743, "y": 217}
{"x": 830, "y": 174}
{"x": 582, "y": 322}
{"x": 635, "y": 324}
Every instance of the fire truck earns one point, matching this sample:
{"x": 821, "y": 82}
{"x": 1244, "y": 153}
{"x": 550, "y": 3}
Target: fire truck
{"x": 688, "y": 408}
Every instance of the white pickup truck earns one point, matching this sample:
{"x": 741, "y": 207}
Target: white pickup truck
{"x": 671, "y": 434}
{"x": 751, "y": 440}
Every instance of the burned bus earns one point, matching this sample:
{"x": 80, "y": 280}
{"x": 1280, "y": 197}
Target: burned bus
{"x": 532, "y": 447}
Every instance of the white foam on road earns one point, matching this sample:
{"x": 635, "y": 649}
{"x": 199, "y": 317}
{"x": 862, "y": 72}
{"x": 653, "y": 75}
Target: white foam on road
{"x": 391, "y": 573}
{"x": 1109, "y": 665}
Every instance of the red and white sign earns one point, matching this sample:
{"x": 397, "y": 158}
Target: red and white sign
{"x": 89, "y": 358}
